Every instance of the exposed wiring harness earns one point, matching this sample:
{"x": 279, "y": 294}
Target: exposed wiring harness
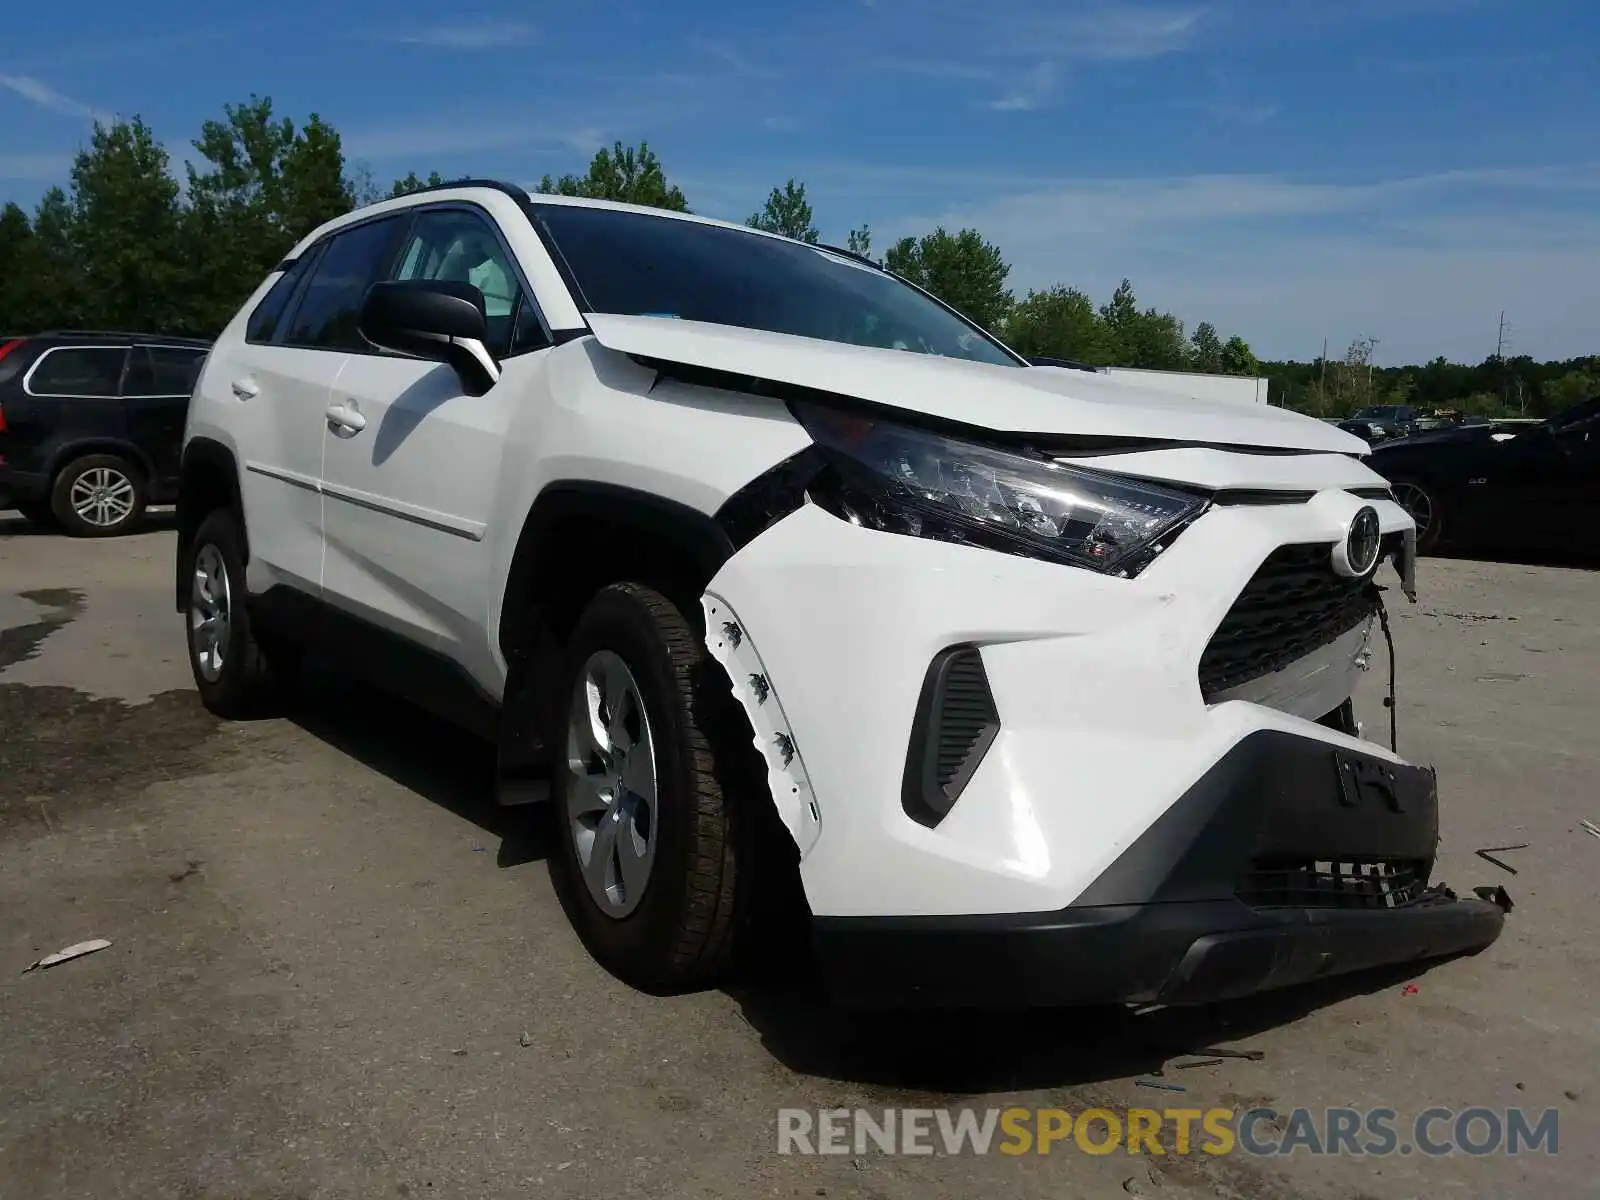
{"x": 1376, "y": 593}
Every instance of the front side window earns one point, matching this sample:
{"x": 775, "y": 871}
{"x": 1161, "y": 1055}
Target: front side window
{"x": 327, "y": 316}
{"x": 640, "y": 264}
{"x": 459, "y": 247}
{"x": 78, "y": 371}
{"x": 162, "y": 371}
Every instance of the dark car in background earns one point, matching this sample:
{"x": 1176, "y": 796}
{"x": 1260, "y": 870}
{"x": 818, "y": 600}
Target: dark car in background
{"x": 1395, "y": 420}
{"x": 91, "y": 425}
{"x": 1501, "y": 486}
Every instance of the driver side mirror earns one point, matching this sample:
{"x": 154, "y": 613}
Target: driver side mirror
{"x": 438, "y": 320}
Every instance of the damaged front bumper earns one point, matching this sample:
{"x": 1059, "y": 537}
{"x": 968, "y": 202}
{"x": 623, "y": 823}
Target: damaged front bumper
{"x": 1105, "y": 827}
{"x": 1286, "y": 862}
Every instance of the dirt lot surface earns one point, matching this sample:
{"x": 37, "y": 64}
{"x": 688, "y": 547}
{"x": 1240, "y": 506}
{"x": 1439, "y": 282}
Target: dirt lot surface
{"x": 338, "y": 971}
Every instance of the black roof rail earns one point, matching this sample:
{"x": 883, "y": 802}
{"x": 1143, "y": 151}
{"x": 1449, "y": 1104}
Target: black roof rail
{"x": 125, "y": 335}
{"x": 498, "y": 185}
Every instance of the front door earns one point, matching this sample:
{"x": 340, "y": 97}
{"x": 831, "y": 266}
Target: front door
{"x": 412, "y": 467}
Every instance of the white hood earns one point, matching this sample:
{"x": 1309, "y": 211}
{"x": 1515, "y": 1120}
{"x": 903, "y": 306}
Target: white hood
{"x": 1027, "y": 400}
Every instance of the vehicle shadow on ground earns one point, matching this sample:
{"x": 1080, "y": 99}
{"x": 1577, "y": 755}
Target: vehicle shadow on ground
{"x": 971, "y": 1051}
{"x": 420, "y": 752}
{"x": 14, "y": 524}
{"x": 963, "y": 1052}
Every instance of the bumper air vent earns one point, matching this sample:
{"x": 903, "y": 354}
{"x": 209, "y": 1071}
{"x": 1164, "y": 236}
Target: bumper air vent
{"x": 1294, "y": 604}
{"x": 1363, "y": 884}
{"x": 956, "y": 722}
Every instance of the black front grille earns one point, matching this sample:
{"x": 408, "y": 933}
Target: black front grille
{"x": 1368, "y": 883}
{"x": 1294, "y": 604}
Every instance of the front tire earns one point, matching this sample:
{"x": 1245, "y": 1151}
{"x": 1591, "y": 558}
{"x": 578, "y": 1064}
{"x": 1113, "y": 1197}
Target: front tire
{"x": 1422, "y": 502}
{"x": 654, "y": 859}
{"x": 236, "y": 673}
{"x": 98, "y": 495}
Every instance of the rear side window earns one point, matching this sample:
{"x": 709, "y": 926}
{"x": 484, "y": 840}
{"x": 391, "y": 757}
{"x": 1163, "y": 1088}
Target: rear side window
{"x": 162, "y": 371}
{"x": 264, "y": 320}
{"x": 327, "y": 314}
{"x": 78, "y": 371}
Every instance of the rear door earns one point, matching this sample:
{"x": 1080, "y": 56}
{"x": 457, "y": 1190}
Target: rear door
{"x": 279, "y": 379}
{"x": 155, "y": 394}
{"x": 69, "y": 395}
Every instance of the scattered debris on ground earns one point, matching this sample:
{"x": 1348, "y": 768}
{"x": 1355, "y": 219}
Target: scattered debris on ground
{"x": 1488, "y": 853}
{"x": 71, "y": 952}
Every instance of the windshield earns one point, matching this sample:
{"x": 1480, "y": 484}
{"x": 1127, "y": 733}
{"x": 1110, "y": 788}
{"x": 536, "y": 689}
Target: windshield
{"x": 639, "y": 264}
{"x": 1380, "y": 412}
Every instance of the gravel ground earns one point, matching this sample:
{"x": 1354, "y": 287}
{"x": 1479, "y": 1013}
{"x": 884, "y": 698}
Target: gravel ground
{"x": 337, "y": 971}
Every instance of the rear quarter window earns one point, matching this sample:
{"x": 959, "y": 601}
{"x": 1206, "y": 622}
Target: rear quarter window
{"x": 77, "y": 371}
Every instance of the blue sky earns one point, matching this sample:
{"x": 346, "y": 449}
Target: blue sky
{"x": 1291, "y": 170}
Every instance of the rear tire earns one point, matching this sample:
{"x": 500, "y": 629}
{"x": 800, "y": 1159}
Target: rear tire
{"x": 654, "y": 858}
{"x": 98, "y": 495}
{"x": 238, "y": 674}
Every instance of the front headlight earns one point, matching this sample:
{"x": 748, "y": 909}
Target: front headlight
{"x": 900, "y": 479}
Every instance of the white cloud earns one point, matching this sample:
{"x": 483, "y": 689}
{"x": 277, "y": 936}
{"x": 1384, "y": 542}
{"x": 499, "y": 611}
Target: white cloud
{"x": 1030, "y": 90}
{"x": 472, "y": 35}
{"x": 42, "y": 95}
{"x": 1113, "y": 31}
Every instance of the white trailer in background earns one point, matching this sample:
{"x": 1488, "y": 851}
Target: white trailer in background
{"x": 1240, "y": 388}
{"x": 1237, "y": 389}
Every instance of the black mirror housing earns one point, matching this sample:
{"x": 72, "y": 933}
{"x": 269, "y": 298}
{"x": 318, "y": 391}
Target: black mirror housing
{"x": 439, "y": 320}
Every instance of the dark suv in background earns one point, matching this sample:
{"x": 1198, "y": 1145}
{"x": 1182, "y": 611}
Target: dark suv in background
{"x": 91, "y": 425}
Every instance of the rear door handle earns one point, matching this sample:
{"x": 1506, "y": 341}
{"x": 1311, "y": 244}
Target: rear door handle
{"x": 345, "y": 420}
{"x": 245, "y": 388}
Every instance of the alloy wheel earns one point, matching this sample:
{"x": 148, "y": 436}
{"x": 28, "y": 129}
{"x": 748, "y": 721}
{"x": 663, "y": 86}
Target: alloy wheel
{"x": 210, "y": 612}
{"x": 612, "y": 784}
{"x": 102, "y": 497}
{"x": 1418, "y": 504}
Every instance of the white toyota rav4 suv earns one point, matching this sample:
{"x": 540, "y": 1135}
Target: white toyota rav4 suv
{"x": 757, "y": 563}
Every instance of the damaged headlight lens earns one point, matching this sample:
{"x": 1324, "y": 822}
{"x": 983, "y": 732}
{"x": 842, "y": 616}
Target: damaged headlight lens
{"x": 900, "y": 479}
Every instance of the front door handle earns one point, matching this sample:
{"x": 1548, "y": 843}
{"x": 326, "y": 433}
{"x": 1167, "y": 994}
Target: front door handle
{"x": 345, "y": 420}
{"x": 244, "y": 389}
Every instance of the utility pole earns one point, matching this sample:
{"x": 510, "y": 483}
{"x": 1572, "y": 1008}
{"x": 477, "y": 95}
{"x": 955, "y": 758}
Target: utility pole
{"x": 1500, "y": 338}
{"x": 1322, "y": 383}
{"x": 1371, "y": 342}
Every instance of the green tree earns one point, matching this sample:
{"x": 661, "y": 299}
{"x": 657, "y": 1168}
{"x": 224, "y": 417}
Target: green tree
{"x": 264, "y": 185}
{"x": 18, "y": 269}
{"x": 625, "y": 174}
{"x": 1206, "y": 352}
{"x": 1237, "y": 358}
{"x": 1058, "y": 323}
{"x": 1150, "y": 339}
{"x": 404, "y": 187}
{"x": 58, "y": 294}
{"x": 860, "y": 242}
{"x": 125, "y": 229}
{"x": 961, "y": 269}
{"x": 787, "y": 212}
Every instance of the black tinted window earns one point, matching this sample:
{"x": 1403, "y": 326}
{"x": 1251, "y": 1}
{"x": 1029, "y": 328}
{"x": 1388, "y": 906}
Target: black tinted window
{"x": 640, "y": 264}
{"x": 326, "y": 317}
{"x": 264, "y": 320}
{"x": 161, "y": 371}
{"x": 70, "y": 371}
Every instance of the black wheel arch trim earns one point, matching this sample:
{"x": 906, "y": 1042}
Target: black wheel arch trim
{"x": 697, "y": 534}
{"x": 63, "y": 455}
{"x": 203, "y": 453}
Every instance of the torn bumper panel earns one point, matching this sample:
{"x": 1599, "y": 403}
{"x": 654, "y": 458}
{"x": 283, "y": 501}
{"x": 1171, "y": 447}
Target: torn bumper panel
{"x": 1088, "y": 745}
